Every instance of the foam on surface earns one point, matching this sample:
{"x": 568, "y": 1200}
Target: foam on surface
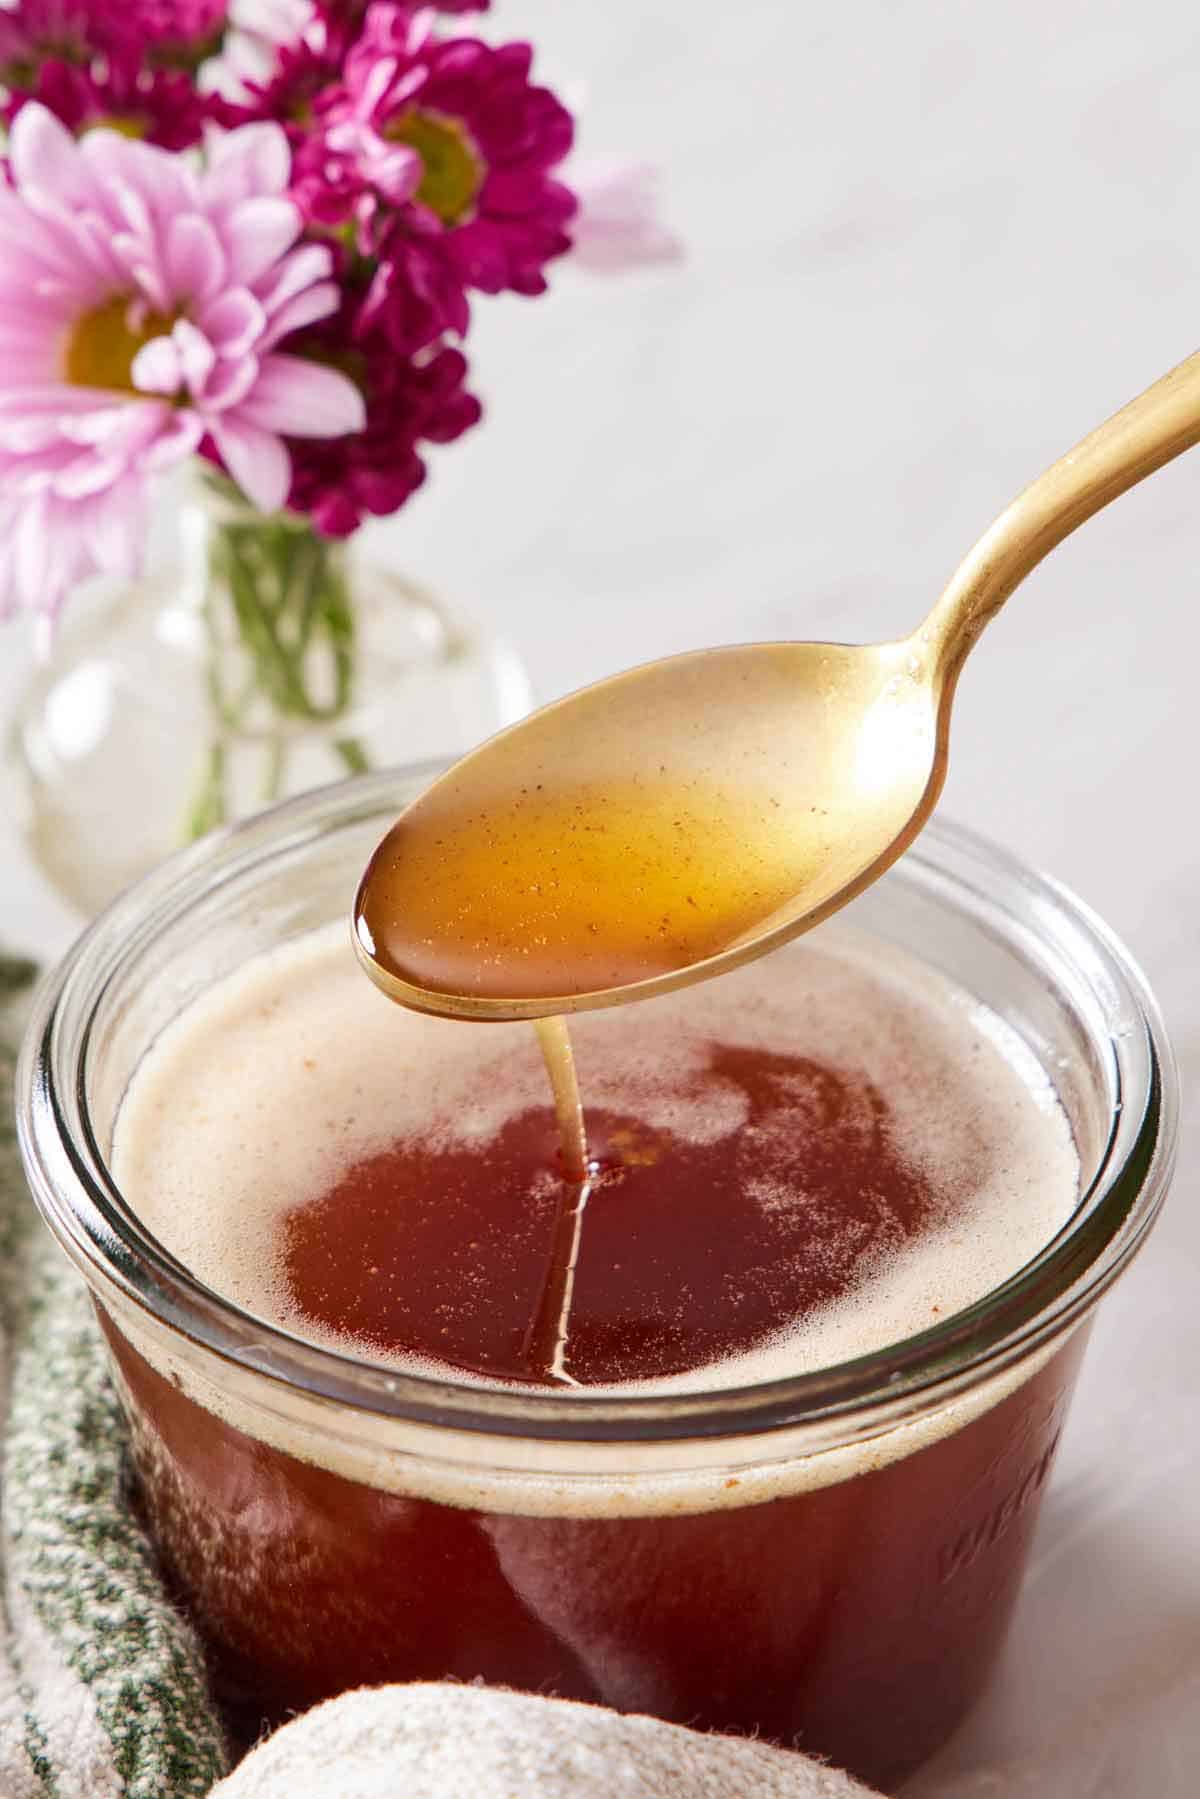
{"x": 263, "y": 1093}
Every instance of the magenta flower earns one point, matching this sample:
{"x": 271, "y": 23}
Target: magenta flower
{"x": 35, "y": 29}
{"x": 142, "y": 301}
{"x": 409, "y": 401}
{"x": 162, "y": 106}
{"x": 157, "y": 31}
{"x": 302, "y": 74}
{"x": 74, "y": 30}
{"x": 164, "y": 24}
{"x": 479, "y": 208}
{"x": 488, "y": 139}
{"x": 349, "y": 175}
{"x": 414, "y": 295}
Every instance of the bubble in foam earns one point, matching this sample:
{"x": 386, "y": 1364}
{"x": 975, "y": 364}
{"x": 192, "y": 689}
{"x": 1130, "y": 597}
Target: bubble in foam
{"x": 269, "y": 1088}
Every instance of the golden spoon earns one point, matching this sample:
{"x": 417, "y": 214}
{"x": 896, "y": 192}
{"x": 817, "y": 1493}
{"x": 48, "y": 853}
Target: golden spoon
{"x": 671, "y": 822}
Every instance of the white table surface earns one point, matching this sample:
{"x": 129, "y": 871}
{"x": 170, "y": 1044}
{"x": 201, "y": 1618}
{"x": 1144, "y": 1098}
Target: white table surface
{"x": 929, "y": 246}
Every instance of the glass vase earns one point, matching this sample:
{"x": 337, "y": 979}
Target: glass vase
{"x": 257, "y": 661}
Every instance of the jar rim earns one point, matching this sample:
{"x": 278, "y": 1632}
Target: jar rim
{"x": 83, "y": 1207}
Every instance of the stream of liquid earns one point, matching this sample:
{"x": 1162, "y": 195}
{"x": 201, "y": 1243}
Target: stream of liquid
{"x": 551, "y": 1328}
{"x": 554, "y": 890}
{"x": 555, "y": 1042}
{"x": 550, "y": 891}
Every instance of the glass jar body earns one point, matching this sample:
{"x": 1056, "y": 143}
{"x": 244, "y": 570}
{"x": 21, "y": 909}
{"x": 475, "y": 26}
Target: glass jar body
{"x": 829, "y": 1559}
{"x": 857, "y": 1620}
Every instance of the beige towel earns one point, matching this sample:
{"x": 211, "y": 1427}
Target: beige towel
{"x": 439, "y": 1741}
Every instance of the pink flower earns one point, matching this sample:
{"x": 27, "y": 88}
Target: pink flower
{"x": 142, "y": 301}
{"x": 375, "y": 470}
{"x": 160, "y": 105}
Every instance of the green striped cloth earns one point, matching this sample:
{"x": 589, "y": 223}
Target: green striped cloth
{"x": 102, "y": 1688}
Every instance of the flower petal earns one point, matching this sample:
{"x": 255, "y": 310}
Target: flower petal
{"x": 317, "y": 303}
{"x": 133, "y": 207}
{"x": 112, "y": 421}
{"x": 144, "y": 272}
{"x": 229, "y": 383}
{"x": 157, "y": 367}
{"x": 297, "y": 270}
{"x": 26, "y": 434}
{"x": 122, "y": 167}
{"x": 254, "y": 159}
{"x": 194, "y": 258}
{"x": 196, "y": 355}
{"x": 255, "y": 459}
{"x": 115, "y": 524}
{"x": 179, "y": 440}
{"x": 299, "y": 398}
{"x": 618, "y": 224}
{"x": 235, "y": 323}
{"x": 86, "y": 475}
{"x": 257, "y": 233}
{"x": 44, "y": 156}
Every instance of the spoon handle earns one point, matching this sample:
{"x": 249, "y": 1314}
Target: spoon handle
{"x": 1150, "y": 431}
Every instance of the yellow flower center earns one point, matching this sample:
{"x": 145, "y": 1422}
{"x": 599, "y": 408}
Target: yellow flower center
{"x": 103, "y": 343}
{"x": 453, "y": 171}
{"x": 125, "y": 123}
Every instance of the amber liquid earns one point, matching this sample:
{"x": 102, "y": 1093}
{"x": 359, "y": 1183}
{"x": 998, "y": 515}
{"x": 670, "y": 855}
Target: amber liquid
{"x": 448, "y": 1253}
{"x": 857, "y": 1620}
{"x": 549, "y": 893}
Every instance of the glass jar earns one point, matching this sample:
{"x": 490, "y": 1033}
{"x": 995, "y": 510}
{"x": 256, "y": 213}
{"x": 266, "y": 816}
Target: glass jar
{"x": 828, "y": 1560}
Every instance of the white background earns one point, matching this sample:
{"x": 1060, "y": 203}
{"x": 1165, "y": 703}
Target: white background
{"x": 929, "y": 246}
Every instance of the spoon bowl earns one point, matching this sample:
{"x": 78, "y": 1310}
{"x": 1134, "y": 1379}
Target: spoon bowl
{"x": 653, "y": 829}
{"x": 673, "y": 821}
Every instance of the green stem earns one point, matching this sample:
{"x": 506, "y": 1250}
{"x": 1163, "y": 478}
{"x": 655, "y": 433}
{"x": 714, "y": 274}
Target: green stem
{"x": 208, "y": 809}
{"x": 352, "y": 754}
{"x": 294, "y": 657}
